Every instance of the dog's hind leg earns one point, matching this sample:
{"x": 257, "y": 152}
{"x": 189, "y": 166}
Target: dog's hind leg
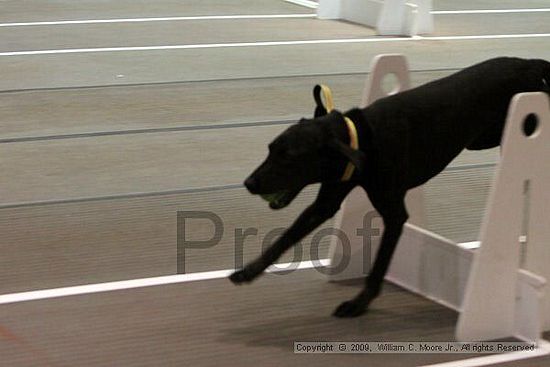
{"x": 326, "y": 204}
{"x": 394, "y": 214}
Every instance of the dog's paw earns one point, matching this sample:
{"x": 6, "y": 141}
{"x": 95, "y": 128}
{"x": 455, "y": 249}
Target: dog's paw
{"x": 245, "y": 275}
{"x": 351, "y": 308}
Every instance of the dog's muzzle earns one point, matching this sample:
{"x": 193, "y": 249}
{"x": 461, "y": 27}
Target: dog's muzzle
{"x": 252, "y": 185}
{"x": 276, "y": 200}
{"x": 279, "y": 199}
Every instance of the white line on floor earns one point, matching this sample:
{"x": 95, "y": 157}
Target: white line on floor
{"x": 252, "y": 16}
{"x": 491, "y": 11}
{"x": 271, "y": 43}
{"x": 470, "y": 245}
{"x": 158, "y": 19}
{"x": 140, "y": 283}
{"x": 543, "y": 349}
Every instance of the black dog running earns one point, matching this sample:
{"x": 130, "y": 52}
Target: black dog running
{"x": 404, "y": 140}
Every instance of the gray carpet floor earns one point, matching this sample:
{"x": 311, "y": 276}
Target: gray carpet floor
{"x": 100, "y": 150}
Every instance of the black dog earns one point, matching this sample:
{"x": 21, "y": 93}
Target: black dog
{"x": 404, "y": 140}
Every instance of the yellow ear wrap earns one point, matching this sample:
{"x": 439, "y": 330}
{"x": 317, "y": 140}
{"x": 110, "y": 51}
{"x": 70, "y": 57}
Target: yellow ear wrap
{"x": 354, "y": 144}
{"x": 326, "y": 93}
{"x": 323, "y": 92}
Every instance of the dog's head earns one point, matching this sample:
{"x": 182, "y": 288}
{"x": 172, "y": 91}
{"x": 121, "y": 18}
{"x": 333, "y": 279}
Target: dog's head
{"x": 311, "y": 151}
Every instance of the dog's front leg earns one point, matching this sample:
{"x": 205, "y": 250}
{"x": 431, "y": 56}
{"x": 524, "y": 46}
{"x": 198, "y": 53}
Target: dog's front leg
{"x": 394, "y": 215}
{"x": 325, "y": 206}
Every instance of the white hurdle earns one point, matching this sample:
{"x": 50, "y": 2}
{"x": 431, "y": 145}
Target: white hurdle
{"x": 505, "y": 293}
{"x": 498, "y": 288}
{"x": 389, "y": 17}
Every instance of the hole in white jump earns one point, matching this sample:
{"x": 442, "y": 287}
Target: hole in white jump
{"x": 390, "y": 84}
{"x": 530, "y": 125}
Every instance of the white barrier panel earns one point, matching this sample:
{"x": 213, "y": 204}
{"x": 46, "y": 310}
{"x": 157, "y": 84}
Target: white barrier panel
{"x": 357, "y": 211}
{"x": 504, "y": 294}
{"x": 390, "y": 17}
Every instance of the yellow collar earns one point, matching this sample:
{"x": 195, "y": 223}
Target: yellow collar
{"x": 352, "y": 131}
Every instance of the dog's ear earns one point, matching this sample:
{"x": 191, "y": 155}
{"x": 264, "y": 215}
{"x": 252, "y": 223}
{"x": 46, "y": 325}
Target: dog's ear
{"x": 356, "y": 157}
{"x": 319, "y": 111}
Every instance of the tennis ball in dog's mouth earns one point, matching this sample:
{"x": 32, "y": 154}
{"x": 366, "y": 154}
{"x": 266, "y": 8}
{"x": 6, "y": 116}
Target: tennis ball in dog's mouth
{"x": 275, "y": 198}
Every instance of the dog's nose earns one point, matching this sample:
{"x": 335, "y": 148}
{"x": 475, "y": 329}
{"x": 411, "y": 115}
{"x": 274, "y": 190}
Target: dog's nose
{"x": 252, "y": 184}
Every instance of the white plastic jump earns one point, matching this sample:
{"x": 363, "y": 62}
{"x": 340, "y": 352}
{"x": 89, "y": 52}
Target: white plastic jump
{"x": 507, "y": 275}
{"x": 498, "y": 288}
{"x": 389, "y": 17}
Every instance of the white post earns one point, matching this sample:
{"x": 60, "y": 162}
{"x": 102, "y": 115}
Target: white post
{"x": 397, "y": 18}
{"x": 389, "y": 17}
{"x": 503, "y": 296}
{"x": 425, "y": 19}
